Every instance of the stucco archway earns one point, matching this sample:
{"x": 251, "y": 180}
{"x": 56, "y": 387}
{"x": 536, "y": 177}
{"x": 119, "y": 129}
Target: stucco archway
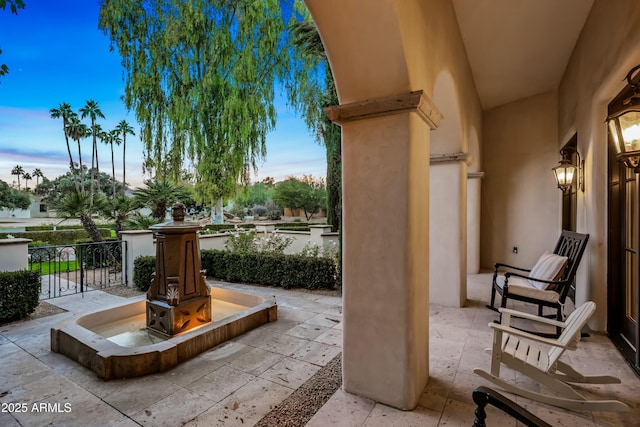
{"x": 366, "y": 63}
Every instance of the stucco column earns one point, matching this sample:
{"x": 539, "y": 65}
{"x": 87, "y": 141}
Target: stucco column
{"x": 14, "y": 254}
{"x": 138, "y": 243}
{"x": 448, "y": 237}
{"x": 474, "y": 180}
{"x": 385, "y": 179}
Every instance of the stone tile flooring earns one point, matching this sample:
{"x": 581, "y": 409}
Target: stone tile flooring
{"x": 237, "y": 383}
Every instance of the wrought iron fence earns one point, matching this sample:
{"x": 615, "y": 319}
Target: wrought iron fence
{"x": 77, "y": 268}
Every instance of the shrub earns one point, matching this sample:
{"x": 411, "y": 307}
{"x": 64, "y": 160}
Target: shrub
{"x": 259, "y": 210}
{"x": 242, "y": 243}
{"x": 295, "y": 228}
{"x": 287, "y": 271}
{"x": 310, "y": 273}
{"x": 274, "y": 215}
{"x": 274, "y": 212}
{"x": 214, "y": 263}
{"x": 272, "y": 243}
{"x": 58, "y": 237}
{"x": 19, "y": 294}
{"x": 252, "y": 242}
{"x": 38, "y": 243}
{"x": 143, "y": 269}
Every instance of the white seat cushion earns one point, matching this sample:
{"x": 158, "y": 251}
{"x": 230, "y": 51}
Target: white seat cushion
{"x": 522, "y": 287}
{"x": 548, "y": 267}
{"x": 513, "y": 281}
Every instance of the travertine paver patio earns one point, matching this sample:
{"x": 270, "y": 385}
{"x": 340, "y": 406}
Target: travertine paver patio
{"x": 237, "y": 383}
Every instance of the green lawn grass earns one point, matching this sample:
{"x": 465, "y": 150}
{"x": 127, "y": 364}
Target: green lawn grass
{"x": 55, "y": 267}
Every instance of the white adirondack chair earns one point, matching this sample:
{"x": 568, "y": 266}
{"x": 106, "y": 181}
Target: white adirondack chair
{"x": 538, "y": 358}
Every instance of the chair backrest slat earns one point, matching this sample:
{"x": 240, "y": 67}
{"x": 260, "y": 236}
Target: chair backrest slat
{"x": 572, "y": 332}
{"x": 571, "y": 245}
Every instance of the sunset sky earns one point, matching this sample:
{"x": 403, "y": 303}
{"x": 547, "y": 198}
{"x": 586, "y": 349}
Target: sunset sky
{"x": 56, "y": 53}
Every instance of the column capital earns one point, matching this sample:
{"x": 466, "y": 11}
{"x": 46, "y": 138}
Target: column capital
{"x": 451, "y": 158}
{"x": 410, "y": 102}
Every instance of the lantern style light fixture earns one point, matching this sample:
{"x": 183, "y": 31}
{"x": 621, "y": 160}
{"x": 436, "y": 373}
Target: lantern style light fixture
{"x": 566, "y": 170}
{"x": 624, "y": 122}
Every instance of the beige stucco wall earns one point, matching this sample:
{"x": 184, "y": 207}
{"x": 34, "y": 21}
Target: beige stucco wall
{"x": 520, "y": 199}
{"x": 607, "y": 49}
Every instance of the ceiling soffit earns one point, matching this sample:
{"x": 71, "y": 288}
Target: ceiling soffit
{"x": 519, "y": 48}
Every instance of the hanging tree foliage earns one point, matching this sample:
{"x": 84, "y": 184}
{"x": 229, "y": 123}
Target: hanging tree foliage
{"x": 200, "y": 77}
{"x": 310, "y": 88}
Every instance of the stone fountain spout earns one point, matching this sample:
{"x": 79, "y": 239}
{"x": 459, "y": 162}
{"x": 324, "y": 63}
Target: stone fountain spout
{"x": 179, "y": 298}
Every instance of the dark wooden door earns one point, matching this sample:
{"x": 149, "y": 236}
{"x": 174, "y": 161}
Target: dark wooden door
{"x": 623, "y": 258}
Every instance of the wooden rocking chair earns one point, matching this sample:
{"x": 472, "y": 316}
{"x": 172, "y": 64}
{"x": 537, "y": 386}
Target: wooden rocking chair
{"x": 522, "y": 351}
{"x": 532, "y": 286}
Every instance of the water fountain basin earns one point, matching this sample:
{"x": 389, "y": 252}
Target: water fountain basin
{"x": 114, "y": 343}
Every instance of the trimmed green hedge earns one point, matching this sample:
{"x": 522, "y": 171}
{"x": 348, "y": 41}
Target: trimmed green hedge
{"x": 143, "y": 269}
{"x": 58, "y": 237}
{"x": 287, "y": 271}
{"x": 294, "y": 228}
{"x": 19, "y": 294}
{"x": 64, "y": 227}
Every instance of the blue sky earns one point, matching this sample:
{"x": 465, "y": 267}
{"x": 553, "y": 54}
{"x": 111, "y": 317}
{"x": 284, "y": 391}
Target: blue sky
{"x": 55, "y": 54}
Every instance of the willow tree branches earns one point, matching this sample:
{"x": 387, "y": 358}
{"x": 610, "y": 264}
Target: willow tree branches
{"x": 200, "y": 76}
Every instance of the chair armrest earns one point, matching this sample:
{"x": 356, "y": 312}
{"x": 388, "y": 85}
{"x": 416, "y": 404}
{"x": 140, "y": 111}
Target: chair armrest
{"x": 529, "y": 336}
{"x": 528, "y": 316}
{"x": 548, "y": 282}
{"x": 500, "y": 265}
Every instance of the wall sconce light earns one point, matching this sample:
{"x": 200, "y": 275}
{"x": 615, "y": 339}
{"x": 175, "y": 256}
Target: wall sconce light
{"x": 566, "y": 171}
{"x": 624, "y": 123}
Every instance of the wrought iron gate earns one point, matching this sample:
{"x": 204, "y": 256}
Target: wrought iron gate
{"x": 78, "y": 268}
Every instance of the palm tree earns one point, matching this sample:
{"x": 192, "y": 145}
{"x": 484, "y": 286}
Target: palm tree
{"x": 97, "y": 132}
{"x": 139, "y": 222}
{"x": 124, "y": 128}
{"x": 113, "y": 136}
{"x": 92, "y": 110}
{"x": 19, "y": 171}
{"x": 75, "y": 204}
{"x": 38, "y": 174}
{"x": 119, "y": 209}
{"x": 27, "y": 178}
{"x": 64, "y": 111}
{"x": 159, "y": 195}
{"x": 77, "y": 130}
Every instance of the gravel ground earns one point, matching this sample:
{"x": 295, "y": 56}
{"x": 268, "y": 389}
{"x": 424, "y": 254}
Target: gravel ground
{"x": 302, "y": 404}
{"x": 123, "y": 291}
{"x": 43, "y": 309}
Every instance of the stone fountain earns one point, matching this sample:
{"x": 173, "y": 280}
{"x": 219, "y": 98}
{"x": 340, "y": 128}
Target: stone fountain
{"x": 180, "y": 318}
{"x": 178, "y": 298}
